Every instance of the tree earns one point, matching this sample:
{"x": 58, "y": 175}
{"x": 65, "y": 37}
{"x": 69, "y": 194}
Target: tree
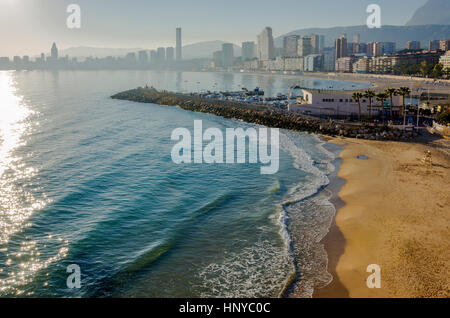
{"x": 370, "y": 94}
{"x": 357, "y": 96}
{"x": 403, "y": 91}
{"x": 447, "y": 71}
{"x": 437, "y": 70}
{"x": 424, "y": 68}
{"x": 381, "y": 97}
{"x": 391, "y": 92}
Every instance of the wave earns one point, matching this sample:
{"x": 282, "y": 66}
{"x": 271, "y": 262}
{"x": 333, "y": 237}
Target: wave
{"x": 143, "y": 260}
{"x": 307, "y": 216}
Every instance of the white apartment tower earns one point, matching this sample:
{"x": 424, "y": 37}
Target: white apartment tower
{"x": 266, "y": 50}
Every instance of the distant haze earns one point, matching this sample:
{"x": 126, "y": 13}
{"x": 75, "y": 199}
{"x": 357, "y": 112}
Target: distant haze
{"x": 29, "y": 27}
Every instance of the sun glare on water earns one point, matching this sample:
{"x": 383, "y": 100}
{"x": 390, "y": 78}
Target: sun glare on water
{"x": 17, "y": 204}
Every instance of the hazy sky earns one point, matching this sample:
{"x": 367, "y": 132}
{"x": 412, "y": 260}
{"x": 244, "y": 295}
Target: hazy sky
{"x": 30, "y": 26}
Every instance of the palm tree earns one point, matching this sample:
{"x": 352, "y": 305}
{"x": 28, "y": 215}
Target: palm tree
{"x": 370, "y": 94}
{"x": 404, "y": 91}
{"x": 391, "y": 92}
{"x": 381, "y": 97}
{"x": 357, "y": 96}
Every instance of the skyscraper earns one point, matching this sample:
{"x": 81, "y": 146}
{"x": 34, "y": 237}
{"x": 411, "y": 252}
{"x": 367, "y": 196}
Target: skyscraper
{"x": 290, "y": 45}
{"x": 54, "y": 52}
{"x": 142, "y": 57}
{"x": 170, "y": 53}
{"x": 305, "y": 47}
{"x": 413, "y": 45}
{"x": 341, "y": 47}
{"x": 315, "y": 43}
{"x": 153, "y": 56}
{"x": 227, "y": 55}
{"x": 266, "y": 50}
{"x": 321, "y": 43}
{"x": 217, "y": 58}
{"x": 248, "y": 50}
{"x": 433, "y": 45}
{"x": 179, "y": 55}
{"x": 161, "y": 54}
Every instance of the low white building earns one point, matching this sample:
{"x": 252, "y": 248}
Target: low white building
{"x": 338, "y": 103}
{"x": 445, "y": 60}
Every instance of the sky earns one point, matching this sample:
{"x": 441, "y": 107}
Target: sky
{"x": 30, "y": 26}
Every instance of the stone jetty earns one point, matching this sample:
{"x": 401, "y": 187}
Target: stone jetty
{"x": 263, "y": 115}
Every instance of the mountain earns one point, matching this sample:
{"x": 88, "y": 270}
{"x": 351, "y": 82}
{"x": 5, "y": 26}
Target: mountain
{"x": 433, "y": 12}
{"x": 206, "y": 49}
{"x": 387, "y": 33}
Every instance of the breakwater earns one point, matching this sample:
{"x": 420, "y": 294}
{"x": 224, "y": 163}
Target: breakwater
{"x": 263, "y": 115}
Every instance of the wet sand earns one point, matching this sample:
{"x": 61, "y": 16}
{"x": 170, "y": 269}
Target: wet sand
{"x": 393, "y": 211}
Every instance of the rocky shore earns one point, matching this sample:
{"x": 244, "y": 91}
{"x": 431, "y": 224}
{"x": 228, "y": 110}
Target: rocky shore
{"x": 263, "y": 115}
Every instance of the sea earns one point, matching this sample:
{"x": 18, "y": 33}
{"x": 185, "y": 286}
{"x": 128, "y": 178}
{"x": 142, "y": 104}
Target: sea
{"x": 86, "y": 180}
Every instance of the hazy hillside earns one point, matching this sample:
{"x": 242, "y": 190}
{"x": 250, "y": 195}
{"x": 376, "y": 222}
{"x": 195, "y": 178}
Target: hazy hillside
{"x": 433, "y": 12}
{"x": 397, "y": 34}
{"x": 206, "y": 49}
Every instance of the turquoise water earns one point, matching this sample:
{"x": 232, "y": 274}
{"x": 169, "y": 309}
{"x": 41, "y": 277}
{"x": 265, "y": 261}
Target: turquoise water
{"x": 88, "y": 180}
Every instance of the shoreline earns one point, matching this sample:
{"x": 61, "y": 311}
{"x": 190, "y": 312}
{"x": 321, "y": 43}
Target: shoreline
{"x": 334, "y": 240}
{"x": 390, "y": 211}
{"x": 382, "y": 205}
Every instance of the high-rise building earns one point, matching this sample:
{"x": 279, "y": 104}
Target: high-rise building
{"x": 217, "y": 58}
{"x": 170, "y": 51}
{"x": 142, "y": 56}
{"x": 227, "y": 55}
{"x": 444, "y": 45}
{"x": 305, "y": 47}
{"x": 290, "y": 45}
{"x": 161, "y": 54}
{"x": 179, "y": 54}
{"x": 341, "y": 47}
{"x": 329, "y": 58}
{"x": 315, "y": 43}
{"x": 356, "y": 38}
{"x": 389, "y": 47}
{"x": 54, "y": 52}
{"x": 321, "y": 43}
{"x": 248, "y": 51}
{"x": 445, "y": 60}
{"x": 377, "y": 49}
{"x": 433, "y": 45}
{"x": 313, "y": 63}
{"x": 358, "y": 48}
{"x": 413, "y": 45}
{"x": 266, "y": 50}
{"x": 153, "y": 56}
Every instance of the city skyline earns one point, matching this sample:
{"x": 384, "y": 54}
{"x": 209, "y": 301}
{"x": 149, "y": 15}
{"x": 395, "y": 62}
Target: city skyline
{"x": 150, "y": 24}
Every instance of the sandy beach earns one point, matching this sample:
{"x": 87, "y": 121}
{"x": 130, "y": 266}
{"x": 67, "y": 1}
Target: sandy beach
{"x": 393, "y": 211}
